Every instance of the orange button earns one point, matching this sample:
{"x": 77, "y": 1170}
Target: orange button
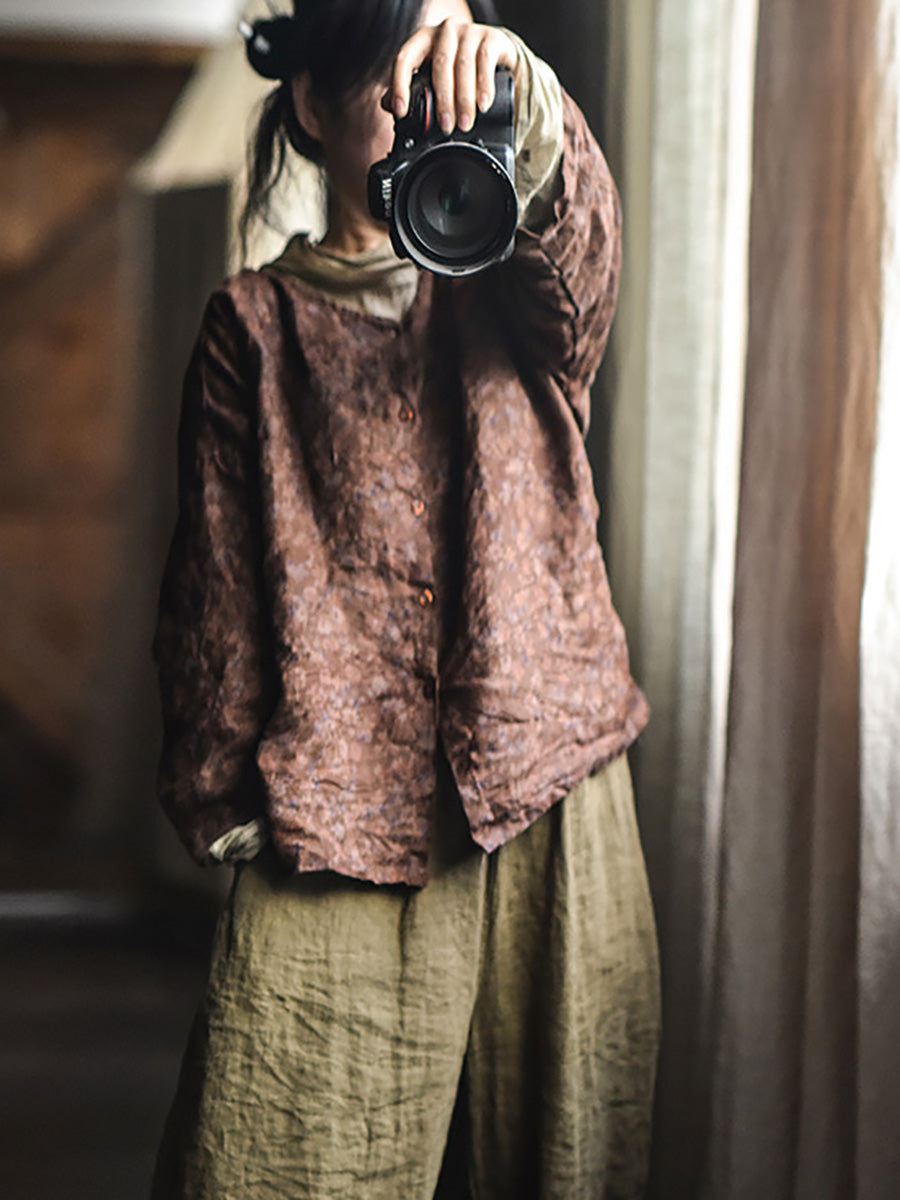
{"x": 426, "y": 597}
{"x": 418, "y": 507}
{"x": 407, "y": 413}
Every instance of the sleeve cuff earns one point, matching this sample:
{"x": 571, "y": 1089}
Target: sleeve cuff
{"x": 538, "y": 137}
{"x": 239, "y": 844}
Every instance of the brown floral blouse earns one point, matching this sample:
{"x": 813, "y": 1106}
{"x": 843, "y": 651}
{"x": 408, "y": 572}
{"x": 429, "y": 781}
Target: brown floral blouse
{"x": 387, "y": 535}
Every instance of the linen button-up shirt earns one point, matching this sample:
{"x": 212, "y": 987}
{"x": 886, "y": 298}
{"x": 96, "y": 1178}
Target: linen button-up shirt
{"x": 386, "y": 535}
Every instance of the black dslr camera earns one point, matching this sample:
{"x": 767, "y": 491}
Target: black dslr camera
{"x": 449, "y": 198}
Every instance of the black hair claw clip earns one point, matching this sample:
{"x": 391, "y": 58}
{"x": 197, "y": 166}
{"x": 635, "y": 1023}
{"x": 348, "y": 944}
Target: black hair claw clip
{"x": 271, "y": 45}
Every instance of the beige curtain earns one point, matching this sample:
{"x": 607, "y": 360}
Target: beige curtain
{"x": 786, "y": 1002}
{"x": 878, "y": 1146}
{"x": 678, "y": 133}
{"x": 771, "y": 822}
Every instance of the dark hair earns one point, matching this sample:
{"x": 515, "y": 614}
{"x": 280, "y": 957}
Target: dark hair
{"x": 344, "y": 44}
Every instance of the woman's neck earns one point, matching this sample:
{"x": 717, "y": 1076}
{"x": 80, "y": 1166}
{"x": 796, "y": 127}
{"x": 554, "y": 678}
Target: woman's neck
{"x": 351, "y": 230}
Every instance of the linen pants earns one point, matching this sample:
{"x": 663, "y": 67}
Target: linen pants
{"x": 491, "y": 1036}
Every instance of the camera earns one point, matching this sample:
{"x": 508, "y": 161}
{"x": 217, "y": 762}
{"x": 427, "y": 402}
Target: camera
{"x": 449, "y": 199}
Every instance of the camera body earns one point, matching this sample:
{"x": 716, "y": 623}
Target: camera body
{"x": 449, "y": 199}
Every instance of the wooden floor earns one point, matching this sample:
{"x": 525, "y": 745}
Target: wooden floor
{"x": 69, "y": 132}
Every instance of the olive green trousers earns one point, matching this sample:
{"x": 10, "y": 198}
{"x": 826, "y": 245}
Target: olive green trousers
{"x": 491, "y": 1036}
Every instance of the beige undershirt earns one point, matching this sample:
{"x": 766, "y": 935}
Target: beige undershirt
{"x": 376, "y": 282}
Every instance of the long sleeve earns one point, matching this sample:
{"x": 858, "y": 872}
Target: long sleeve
{"x": 538, "y": 137}
{"x": 211, "y": 645}
{"x": 558, "y": 291}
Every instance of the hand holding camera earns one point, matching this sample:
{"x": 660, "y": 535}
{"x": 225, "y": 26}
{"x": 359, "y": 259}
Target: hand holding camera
{"x": 446, "y": 188}
{"x": 449, "y": 197}
{"x": 464, "y": 60}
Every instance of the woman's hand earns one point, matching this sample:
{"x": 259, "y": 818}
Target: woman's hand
{"x": 464, "y": 58}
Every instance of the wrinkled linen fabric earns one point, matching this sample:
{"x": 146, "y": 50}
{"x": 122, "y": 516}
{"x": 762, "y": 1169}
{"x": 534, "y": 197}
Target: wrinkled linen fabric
{"x": 377, "y": 282}
{"x": 388, "y": 529}
{"x": 325, "y": 1060}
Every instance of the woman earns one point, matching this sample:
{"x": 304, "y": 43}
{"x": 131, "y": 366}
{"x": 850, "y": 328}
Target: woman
{"x": 395, "y": 691}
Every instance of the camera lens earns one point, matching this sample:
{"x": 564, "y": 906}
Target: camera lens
{"x": 457, "y": 208}
{"x": 453, "y": 197}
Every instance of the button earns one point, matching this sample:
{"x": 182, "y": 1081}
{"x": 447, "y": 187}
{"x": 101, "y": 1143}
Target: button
{"x": 418, "y": 507}
{"x": 425, "y": 597}
{"x": 407, "y": 413}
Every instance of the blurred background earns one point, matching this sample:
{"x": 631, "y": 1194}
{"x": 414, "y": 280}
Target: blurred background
{"x": 101, "y": 950}
{"x": 745, "y": 439}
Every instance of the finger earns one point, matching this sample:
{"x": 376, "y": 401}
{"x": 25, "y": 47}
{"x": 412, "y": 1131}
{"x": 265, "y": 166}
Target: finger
{"x": 443, "y": 59}
{"x": 414, "y": 51}
{"x": 464, "y": 76}
{"x": 486, "y": 67}
{"x": 495, "y": 50}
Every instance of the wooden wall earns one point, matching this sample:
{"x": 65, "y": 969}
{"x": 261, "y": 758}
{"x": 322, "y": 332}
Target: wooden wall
{"x": 70, "y": 130}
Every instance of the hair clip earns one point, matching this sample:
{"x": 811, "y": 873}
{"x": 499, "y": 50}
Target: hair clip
{"x": 270, "y": 43}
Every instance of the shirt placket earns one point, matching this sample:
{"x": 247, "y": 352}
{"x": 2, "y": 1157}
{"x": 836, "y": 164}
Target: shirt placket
{"x": 414, "y": 427}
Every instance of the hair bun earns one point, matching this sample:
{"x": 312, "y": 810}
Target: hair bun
{"x": 272, "y": 46}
